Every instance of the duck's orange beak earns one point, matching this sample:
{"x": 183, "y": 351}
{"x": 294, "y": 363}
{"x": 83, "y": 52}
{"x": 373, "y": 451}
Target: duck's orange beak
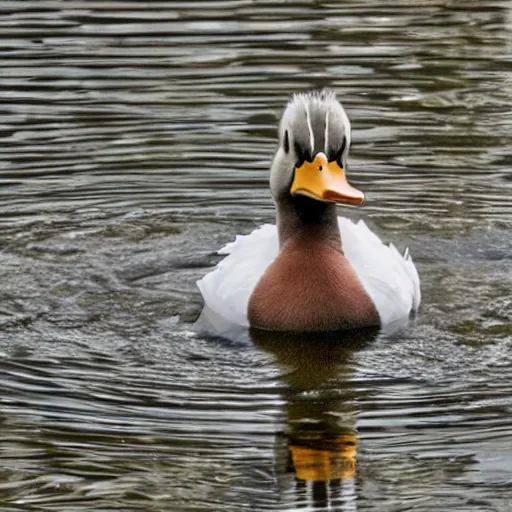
{"x": 325, "y": 181}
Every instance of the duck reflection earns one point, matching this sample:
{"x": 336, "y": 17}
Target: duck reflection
{"x": 316, "y": 452}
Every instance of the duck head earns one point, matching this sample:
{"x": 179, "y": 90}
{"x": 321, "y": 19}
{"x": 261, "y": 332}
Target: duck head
{"x": 311, "y": 158}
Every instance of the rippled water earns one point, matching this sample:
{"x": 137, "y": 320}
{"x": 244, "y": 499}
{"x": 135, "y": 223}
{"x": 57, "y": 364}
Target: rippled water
{"x": 136, "y": 140}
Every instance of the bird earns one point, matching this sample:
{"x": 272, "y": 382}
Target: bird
{"x": 312, "y": 271}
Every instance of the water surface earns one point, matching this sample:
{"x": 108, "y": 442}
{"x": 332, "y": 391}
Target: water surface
{"x": 136, "y": 141}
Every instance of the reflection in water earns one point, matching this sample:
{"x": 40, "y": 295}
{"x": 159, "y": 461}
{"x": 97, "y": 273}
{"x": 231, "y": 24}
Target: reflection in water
{"x": 321, "y": 457}
{"x": 319, "y": 442}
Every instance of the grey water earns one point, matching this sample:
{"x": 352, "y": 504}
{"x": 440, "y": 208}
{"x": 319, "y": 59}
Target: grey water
{"x": 136, "y": 139}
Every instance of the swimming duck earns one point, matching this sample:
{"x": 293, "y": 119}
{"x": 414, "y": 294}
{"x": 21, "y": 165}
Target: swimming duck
{"x": 313, "y": 271}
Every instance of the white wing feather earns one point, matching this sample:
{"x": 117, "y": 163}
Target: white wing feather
{"x": 226, "y": 290}
{"x": 390, "y": 279}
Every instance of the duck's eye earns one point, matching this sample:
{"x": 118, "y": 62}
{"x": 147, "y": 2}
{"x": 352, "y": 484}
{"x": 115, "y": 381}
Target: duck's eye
{"x": 299, "y": 153}
{"x": 339, "y": 154}
{"x": 302, "y": 154}
{"x": 286, "y": 142}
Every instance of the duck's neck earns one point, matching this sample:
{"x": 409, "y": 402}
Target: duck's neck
{"x": 302, "y": 217}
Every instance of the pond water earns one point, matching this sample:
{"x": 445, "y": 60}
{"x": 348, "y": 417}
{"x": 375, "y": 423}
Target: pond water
{"x": 136, "y": 141}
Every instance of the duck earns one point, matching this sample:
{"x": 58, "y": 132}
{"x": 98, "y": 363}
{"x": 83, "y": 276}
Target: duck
{"x": 313, "y": 271}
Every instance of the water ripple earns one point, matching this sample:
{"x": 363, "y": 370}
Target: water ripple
{"x": 136, "y": 142}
